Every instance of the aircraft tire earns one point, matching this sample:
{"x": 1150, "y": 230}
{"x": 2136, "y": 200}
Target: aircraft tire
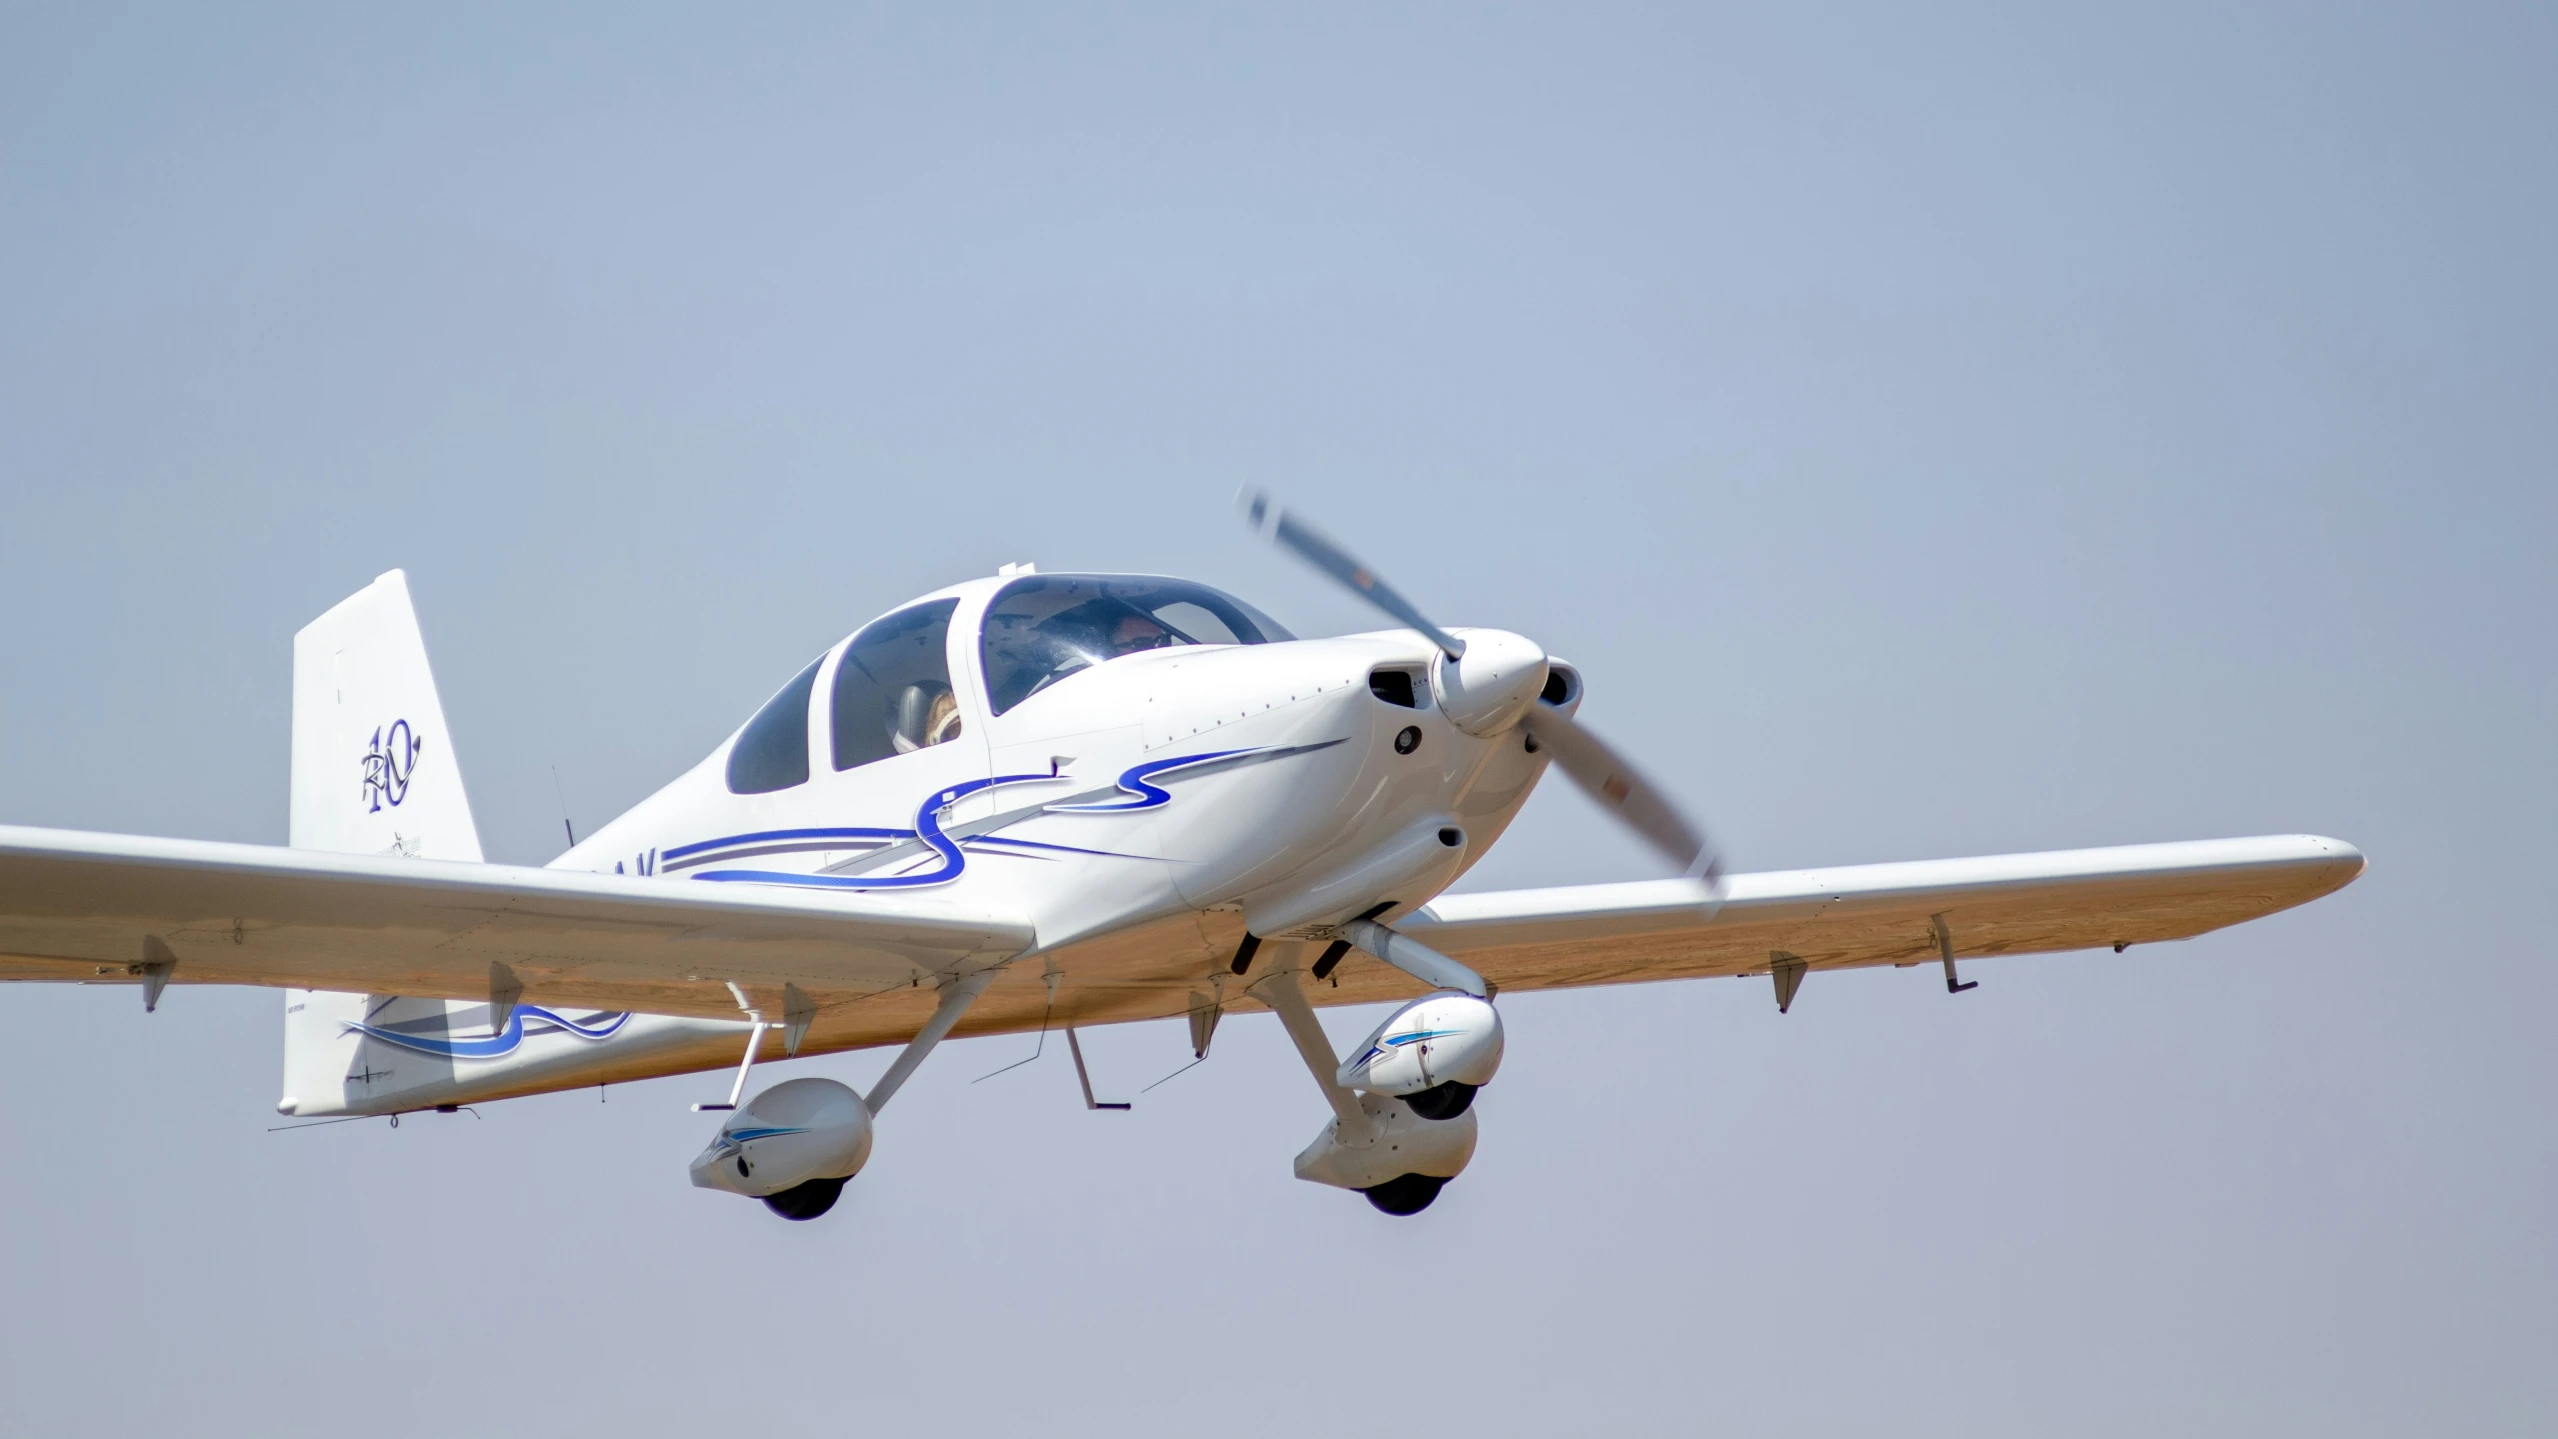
{"x": 1442, "y": 1101}
{"x": 807, "y": 1200}
{"x": 1405, "y": 1193}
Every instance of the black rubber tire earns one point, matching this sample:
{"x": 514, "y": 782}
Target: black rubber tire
{"x": 805, "y": 1201}
{"x": 1405, "y": 1193}
{"x": 1442, "y": 1101}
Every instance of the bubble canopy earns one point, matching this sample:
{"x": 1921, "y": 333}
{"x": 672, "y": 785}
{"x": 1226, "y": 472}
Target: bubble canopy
{"x": 1043, "y": 628}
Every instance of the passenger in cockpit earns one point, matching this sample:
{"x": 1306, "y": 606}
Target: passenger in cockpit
{"x": 927, "y": 714}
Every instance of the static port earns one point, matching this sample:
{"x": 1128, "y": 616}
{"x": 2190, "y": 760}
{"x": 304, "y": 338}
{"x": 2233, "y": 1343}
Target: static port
{"x": 1407, "y": 739}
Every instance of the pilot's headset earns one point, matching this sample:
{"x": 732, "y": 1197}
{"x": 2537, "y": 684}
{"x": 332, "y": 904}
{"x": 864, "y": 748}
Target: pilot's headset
{"x": 926, "y": 715}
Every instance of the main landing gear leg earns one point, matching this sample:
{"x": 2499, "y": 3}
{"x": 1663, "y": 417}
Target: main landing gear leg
{"x": 754, "y": 1047}
{"x": 1279, "y": 990}
{"x": 956, "y": 996}
{"x": 1415, "y": 958}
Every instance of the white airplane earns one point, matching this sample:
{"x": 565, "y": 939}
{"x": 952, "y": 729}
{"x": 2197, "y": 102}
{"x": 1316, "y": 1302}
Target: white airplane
{"x": 1024, "y": 803}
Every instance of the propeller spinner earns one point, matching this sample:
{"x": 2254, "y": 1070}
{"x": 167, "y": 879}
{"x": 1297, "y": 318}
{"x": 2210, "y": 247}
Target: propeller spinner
{"x": 1489, "y": 683}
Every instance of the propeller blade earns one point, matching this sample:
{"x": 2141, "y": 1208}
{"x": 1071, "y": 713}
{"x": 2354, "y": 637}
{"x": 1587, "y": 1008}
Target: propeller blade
{"x": 1312, "y": 547}
{"x": 1622, "y": 790}
{"x": 1597, "y": 768}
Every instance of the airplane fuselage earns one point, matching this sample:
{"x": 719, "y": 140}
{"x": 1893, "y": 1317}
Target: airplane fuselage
{"x": 1186, "y": 777}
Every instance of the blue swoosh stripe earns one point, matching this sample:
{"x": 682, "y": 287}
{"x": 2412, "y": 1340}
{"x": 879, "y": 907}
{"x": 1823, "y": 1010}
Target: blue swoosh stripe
{"x": 1400, "y": 1040}
{"x": 1041, "y": 844}
{"x": 954, "y": 862}
{"x": 766, "y": 835}
{"x": 495, "y": 1046}
{"x": 1134, "y": 781}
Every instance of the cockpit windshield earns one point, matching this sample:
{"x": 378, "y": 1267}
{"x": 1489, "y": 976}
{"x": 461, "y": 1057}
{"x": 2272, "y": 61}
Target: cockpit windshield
{"x": 1042, "y": 628}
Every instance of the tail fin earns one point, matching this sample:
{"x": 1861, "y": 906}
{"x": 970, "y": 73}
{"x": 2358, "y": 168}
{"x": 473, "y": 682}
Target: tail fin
{"x": 374, "y": 768}
{"x": 374, "y": 772}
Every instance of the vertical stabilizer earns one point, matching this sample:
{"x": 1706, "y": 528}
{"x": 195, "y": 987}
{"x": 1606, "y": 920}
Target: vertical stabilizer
{"x": 374, "y": 772}
{"x": 374, "y": 768}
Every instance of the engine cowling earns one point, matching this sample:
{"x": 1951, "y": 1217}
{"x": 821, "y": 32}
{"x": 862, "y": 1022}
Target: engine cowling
{"x": 800, "y": 1138}
{"x": 1443, "y": 1039}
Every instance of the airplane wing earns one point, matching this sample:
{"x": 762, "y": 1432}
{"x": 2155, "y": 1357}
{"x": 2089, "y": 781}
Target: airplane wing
{"x": 98, "y": 907}
{"x": 1878, "y": 914}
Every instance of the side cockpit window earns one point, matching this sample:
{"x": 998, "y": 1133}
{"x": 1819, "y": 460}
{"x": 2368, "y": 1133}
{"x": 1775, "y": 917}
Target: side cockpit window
{"x": 892, "y": 690}
{"x": 772, "y": 751}
{"x": 1043, "y": 628}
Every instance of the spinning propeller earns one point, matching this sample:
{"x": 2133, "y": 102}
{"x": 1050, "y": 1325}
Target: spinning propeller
{"x": 1490, "y": 683}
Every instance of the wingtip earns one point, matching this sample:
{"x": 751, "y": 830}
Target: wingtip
{"x": 2345, "y": 852}
{"x": 2337, "y": 863}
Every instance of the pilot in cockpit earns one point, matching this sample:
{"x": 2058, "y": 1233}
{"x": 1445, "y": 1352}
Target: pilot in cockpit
{"x": 1042, "y": 628}
{"x": 1136, "y": 630}
{"x": 1103, "y": 628}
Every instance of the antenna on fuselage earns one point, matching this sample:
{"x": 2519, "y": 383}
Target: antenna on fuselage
{"x": 563, "y": 797}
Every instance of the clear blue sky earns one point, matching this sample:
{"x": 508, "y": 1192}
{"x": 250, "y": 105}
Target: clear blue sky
{"x": 1932, "y": 430}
